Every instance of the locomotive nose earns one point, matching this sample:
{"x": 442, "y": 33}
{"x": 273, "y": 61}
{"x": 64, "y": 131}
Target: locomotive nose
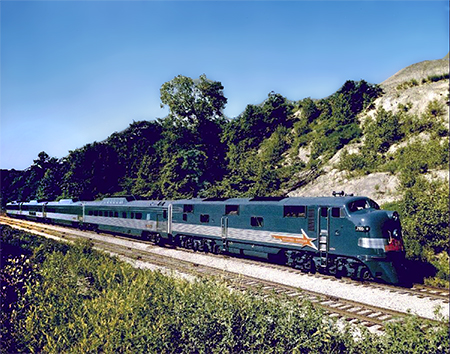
{"x": 392, "y": 231}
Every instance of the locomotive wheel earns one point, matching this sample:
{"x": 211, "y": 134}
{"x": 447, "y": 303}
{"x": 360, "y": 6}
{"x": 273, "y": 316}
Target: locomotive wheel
{"x": 365, "y": 274}
{"x": 309, "y": 266}
{"x": 216, "y": 249}
{"x": 195, "y": 245}
{"x": 340, "y": 269}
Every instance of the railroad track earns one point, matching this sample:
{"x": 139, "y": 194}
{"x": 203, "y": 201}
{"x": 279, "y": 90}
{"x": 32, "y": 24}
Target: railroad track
{"x": 417, "y": 290}
{"x": 372, "y": 317}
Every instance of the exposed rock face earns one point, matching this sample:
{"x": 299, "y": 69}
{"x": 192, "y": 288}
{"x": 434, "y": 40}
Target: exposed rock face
{"x": 419, "y": 94}
{"x": 379, "y": 186}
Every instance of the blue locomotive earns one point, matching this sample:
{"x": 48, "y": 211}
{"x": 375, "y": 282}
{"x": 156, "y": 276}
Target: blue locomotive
{"x": 341, "y": 235}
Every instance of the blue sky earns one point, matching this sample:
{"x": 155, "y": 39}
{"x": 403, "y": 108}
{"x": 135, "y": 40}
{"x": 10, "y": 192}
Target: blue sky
{"x": 75, "y": 72}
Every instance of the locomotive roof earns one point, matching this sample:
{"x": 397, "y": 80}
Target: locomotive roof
{"x": 329, "y": 201}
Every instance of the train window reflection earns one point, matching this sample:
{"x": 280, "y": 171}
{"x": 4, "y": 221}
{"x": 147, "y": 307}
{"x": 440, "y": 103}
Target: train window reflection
{"x": 294, "y": 211}
{"x": 361, "y": 204}
{"x": 256, "y": 221}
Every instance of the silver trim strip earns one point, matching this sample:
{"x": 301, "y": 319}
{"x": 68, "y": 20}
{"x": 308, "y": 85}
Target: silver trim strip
{"x": 376, "y": 243}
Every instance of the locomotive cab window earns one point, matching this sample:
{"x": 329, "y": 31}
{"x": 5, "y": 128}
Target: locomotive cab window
{"x": 294, "y": 211}
{"x": 139, "y": 216}
{"x": 337, "y": 213}
{"x": 188, "y": 208}
{"x": 362, "y": 204}
{"x": 204, "y": 218}
{"x": 124, "y": 215}
{"x": 256, "y": 221}
{"x": 324, "y": 212}
{"x": 231, "y": 209}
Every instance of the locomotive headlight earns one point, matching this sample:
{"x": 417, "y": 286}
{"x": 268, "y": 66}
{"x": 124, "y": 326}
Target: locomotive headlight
{"x": 395, "y": 216}
{"x": 395, "y": 233}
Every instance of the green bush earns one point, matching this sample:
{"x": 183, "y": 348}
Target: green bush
{"x": 441, "y": 262}
{"x": 417, "y": 158}
{"x": 413, "y": 82}
{"x": 425, "y": 206}
{"x": 432, "y": 121}
{"x": 407, "y": 84}
{"x": 351, "y": 162}
{"x": 381, "y": 132}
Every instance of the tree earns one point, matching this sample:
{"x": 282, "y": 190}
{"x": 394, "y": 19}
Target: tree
{"x": 182, "y": 174}
{"x": 48, "y": 188}
{"x": 91, "y": 172}
{"x": 382, "y": 132}
{"x": 309, "y": 110}
{"x": 191, "y": 133}
{"x": 147, "y": 182}
{"x": 191, "y": 102}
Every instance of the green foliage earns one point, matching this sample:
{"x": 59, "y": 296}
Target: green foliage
{"x": 85, "y": 301}
{"x": 382, "y": 132}
{"x": 432, "y": 121}
{"x": 413, "y": 82}
{"x": 410, "y": 336}
{"x": 309, "y": 110}
{"x": 425, "y": 206}
{"x": 191, "y": 151}
{"x": 146, "y": 183}
{"x": 387, "y": 129}
{"x": 256, "y": 141}
{"x": 48, "y": 188}
{"x": 330, "y": 123}
{"x": 33, "y": 183}
{"x": 271, "y": 149}
{"x": 435, "y": 78}
{"x": 181, "y": 176}
{"x": 191, "y": 102}
{"x": 352, "y": 162}
{"x": 417, "y": 158}
{"x": 441, "y": 262}
{"x": 92, "y": 171}
{"x": 258, "y": 122}
{"x": 407, "y": 84}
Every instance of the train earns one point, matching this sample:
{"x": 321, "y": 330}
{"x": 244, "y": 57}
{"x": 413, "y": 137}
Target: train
{"x": 340, "y": 235}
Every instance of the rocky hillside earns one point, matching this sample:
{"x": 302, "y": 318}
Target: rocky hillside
{"x": 417, "y": 84}
{"x": 409, "y": 91}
